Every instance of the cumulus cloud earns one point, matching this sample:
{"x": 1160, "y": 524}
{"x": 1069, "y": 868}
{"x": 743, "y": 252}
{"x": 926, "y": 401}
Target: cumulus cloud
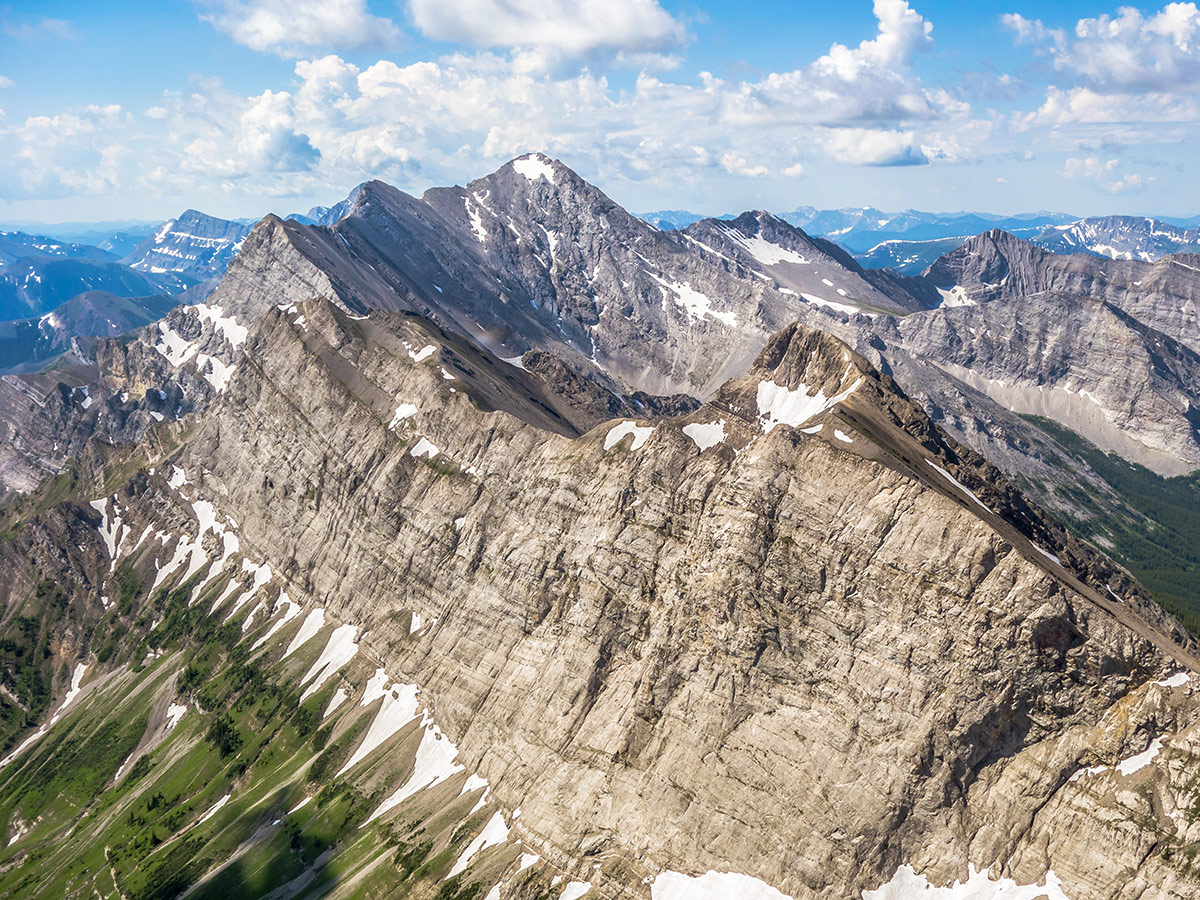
{"x": 1126, "y": 52}
{"x": 1081, "y": 105}
{"x": 70, "y": 153}
{"x": 1104, "y": 173}
{"x": 5, "y": 81}
{"x": 339, "y": 123}
{"x": 737, "y": 165}
{"x": 573, "y": 27}
{"x": 293, "y": 27}
{"x": 862, "y": 147}
{"x": 902, "y": 32}
{"x": 1130, "y": 52}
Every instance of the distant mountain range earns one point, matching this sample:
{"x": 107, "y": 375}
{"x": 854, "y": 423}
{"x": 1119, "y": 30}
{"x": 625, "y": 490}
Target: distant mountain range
{"x": 912, "y": 240}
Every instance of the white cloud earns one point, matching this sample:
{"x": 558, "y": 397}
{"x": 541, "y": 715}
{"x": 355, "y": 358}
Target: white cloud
{"x": 70, "y": 153}
{"x": 5, "y": 81}
{"x": 902, "y": 32}
{"x": 1104, "y": 173}
{"x": 1126, "y": 52}
{"x": 438, "y": 121}
{"x": 737, "y": 165}
{"x": 573, "y": 27}
{"x": 1032, "y": 31}
{"x": 1081, "y": 105}
{"x": 1132, "y": 53}
{"x": 268, "y": 139}
{"x": 293, "y": 27}
{"x": 862, "y": 147}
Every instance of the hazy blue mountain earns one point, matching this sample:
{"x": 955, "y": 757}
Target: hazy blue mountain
{"x": 195, "y": 244}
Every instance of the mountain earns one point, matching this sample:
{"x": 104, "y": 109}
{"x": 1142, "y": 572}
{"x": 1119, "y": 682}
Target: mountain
{"x": 34, "y": 285}
{"x": 117, "y": 238}
{"x": 671, "y": 219}
{"x": 195, "y": 244}
{"x": 1121, "y": 237}
{"x": 328, "y": 215}
{"x": 26, "y": 343}
{"x": 907, "y": 257}
{"x": 16, "y": 245}
{"x": 860, "y": 230}
{"x": 365, "y": 627}
{"x": 496, "y": 544}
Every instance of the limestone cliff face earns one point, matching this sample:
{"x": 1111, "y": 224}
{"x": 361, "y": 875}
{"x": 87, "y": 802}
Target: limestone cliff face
{"x": 808, "y": 657}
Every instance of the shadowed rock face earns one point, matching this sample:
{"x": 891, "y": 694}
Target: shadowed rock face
{"x": 997, "y": 266}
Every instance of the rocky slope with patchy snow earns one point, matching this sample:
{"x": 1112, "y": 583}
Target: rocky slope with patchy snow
{"x": 619, "y": 660}
{"x": 194, "y": 244}
{"x": 1121, "y": 237}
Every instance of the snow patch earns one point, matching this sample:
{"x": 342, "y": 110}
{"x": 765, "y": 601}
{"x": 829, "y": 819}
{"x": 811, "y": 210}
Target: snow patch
{"x": 291, "y": 609}
{"x": 339, "y": 650}
{"x": 777, "y": 405}
{"x": 831, "y": 304}
{"x": 763, "y": 250}
{"x": 1139, "y": 761}
{"x": 174, "y": 713}
{"x": 842, "y": 436}
{"x": 234, "y": 332}
{"x": 695, "y": 304}
{"x": 219, "y": 373}
{"x": 641, "y": 434}
{"x": 403, "y": 411}
{"x": 706, "y": 435}
{"x": 906, "y": 884}
{"x": 534, "y": 167}
{"x": 312, "y": 623}
{"x": 494, "y": 833}
{"x": 174, "y": 348}
{"x": 433, "y": 765}
{"x": 399, "y": 707}
{"x": 958, "y": 484}
{"x": 426, "y": 448}
{"x": 423, "y": 354}
{"x": 956, "y": 296}
{"x": 712, "y": 886}
{"x": 574, "y": 890}
{"x": 113, "y": 532}
{"x": 215, "y": 809}
{"x": 1050, "y": 556}
{"x": 1179, "y": 679}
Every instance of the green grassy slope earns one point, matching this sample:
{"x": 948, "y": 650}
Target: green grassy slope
{"x": 1156, "y": 537}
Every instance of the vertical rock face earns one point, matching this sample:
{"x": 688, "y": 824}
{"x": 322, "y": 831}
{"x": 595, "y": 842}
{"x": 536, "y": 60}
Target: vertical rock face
{"x": 666, "y": 653}
{"x": 998, "y": 266}
{"x": 794, "y": 635}
{"x": 1082, "y": 362}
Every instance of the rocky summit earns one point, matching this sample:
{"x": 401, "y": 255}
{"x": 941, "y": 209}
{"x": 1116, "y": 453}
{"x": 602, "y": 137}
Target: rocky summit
{"x": 494, "y": 544}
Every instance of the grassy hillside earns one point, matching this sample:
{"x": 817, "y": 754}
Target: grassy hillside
{"x": 1156, "y": 537}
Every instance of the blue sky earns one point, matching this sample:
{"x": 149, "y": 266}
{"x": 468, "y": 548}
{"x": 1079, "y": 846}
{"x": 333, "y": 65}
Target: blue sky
{"x": 238, "y": 107}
